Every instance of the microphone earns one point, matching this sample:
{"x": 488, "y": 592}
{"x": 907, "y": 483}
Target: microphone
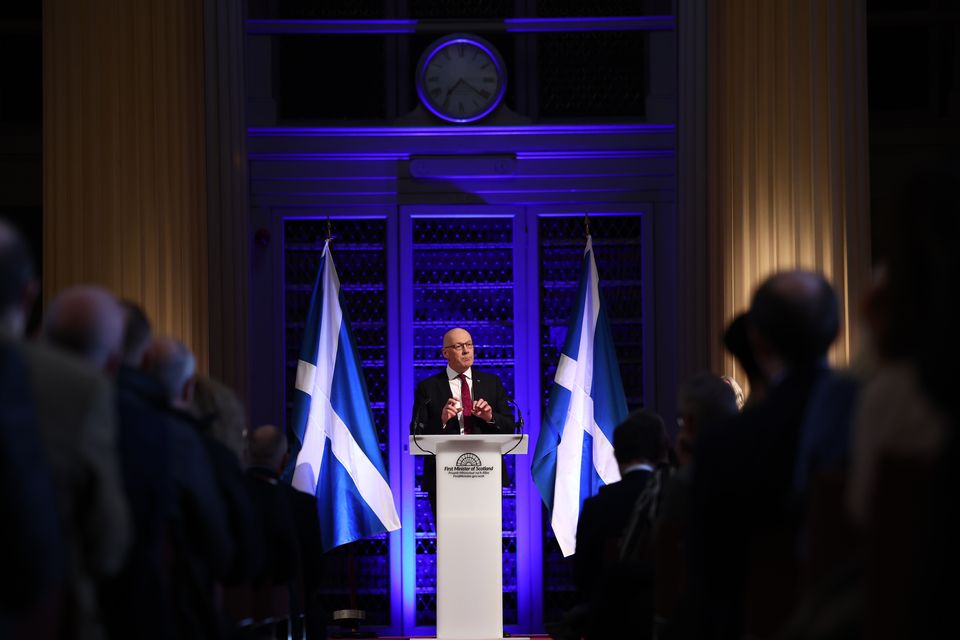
{"x": 416, "y": 425}
{"x": 519, "y": 428}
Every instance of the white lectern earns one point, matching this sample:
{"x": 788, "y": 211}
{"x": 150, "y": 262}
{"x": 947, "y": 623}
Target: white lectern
{"x": 469, "y": 531}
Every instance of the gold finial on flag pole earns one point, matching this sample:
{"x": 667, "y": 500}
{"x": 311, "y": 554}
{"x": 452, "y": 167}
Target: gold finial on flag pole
{"x": 586, "y": 224}
{"x": 329, "y": 230}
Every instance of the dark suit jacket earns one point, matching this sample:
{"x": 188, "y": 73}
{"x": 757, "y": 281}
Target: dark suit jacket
{"x": 274, "y": 510}
{"x": 618, "y": 595}
{"x": 202, "y": 543}
{"x": 242, "y": 516}
{"x": 430, "y": 396}
{"x": 76, "y": 415}
{"x": 433, "y": 392}
{"x": 138, "y": 601}
{"x": 34, "y": 554}
{"x": 601, "y": 523}
{"x": 743, "y": 502}
{"x": 307, "y": 525}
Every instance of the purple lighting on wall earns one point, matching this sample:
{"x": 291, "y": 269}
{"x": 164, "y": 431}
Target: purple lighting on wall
{"x": 406, "y": 132}
{"x": 267, "y": 27}
{"x": 512, "y": 25}
{"x": 606, "y": 23}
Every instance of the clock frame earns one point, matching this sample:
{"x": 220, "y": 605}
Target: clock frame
{"x": 467, "y": 56}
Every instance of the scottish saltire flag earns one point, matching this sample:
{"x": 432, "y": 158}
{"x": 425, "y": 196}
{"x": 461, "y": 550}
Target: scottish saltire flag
{"x": 339, "y": 459}
{"x": 574, "y": 455}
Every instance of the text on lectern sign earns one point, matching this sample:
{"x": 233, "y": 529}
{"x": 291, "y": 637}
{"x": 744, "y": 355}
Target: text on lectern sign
{"x": 468, "y": 466}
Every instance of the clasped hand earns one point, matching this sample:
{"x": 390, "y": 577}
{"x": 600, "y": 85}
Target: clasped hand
{"x": 481, "y": 409}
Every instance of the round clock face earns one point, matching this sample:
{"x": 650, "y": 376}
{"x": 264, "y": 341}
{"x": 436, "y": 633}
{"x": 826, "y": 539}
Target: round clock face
{"x": 461, "y": 78}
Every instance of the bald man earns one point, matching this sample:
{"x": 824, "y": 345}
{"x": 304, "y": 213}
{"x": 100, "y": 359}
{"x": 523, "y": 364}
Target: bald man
{"x": 76, "y": 414}
{"x": 202, "y": 542}
{"x": 89, "y": 321}
{"x": 172, "y": 362}
{"x": 266, "y": 457}
{"x": 459, "y": 400}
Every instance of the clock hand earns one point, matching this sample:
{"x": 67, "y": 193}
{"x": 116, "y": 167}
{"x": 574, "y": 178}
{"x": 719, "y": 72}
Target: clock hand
{"x": 483, "y": 94}
{"x": 451, "y": 90}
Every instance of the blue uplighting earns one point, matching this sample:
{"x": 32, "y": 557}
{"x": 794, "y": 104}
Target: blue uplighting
{"x": 512, "y": 25}
{"x": 453, "y": 130}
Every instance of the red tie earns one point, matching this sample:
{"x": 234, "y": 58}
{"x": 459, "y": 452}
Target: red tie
{"x": 466, "y": 402}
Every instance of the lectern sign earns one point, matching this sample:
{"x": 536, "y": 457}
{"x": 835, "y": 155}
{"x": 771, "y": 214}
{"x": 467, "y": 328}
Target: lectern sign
{"x": 468, "y": 465}
{"x": 469, "y": 534}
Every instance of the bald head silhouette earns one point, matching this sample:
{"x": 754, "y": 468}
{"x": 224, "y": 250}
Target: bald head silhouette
{"x": 173, "y": 364}
{"x": 795, "y": 317}
{"x": 267, "y": 447}
{"x": 88, "y": 322}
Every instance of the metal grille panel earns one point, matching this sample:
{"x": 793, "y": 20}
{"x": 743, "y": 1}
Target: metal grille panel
{"x": 604, "y": 8}
{"x": 592, "y": 74}
{"x": 453, "y": 9}
{"x": 313, "y": 10}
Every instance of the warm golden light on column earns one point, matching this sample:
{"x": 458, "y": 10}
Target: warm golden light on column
{"x": 124, "y": 157}
{"x": 788, "y": 153}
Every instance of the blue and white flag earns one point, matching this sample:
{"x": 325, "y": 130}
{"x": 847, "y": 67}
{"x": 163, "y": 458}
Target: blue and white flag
{"x": 339, "y": 459}
{"x": 574, "y": 455}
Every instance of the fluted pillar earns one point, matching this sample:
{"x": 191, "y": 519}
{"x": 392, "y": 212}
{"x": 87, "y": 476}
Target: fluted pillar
{"x": 227, "y": 194}
{"x": 124, "y": 179}
{"x": 787, "y": 160}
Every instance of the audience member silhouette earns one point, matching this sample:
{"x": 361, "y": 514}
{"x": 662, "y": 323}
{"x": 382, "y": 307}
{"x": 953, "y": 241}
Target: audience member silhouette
{"x": 203, "y": 544}
{"x": 618, "y": 597}
{"x": 32, "y": 567}
{"x": 74, "y": 413}
{"x": 743, "y": 572}
{"x": 704, "y": 402}
{"x": 221, "y": 411}
{"x": 137, "y": 334}
{"x": 736, "y": 339}
{"x": 89, "y": 322}
{"x": 174, "y": 365}
{"x": 903, "y": 485}
{"x": 932, "y": 251}
{"x": 267, "y": 456}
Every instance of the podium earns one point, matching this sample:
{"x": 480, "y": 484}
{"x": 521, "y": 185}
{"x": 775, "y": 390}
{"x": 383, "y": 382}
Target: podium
{"x": 469, "y": 531}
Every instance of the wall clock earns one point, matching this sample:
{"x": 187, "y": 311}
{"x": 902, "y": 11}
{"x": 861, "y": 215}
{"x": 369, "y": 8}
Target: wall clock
{"x": 461, "y": 78}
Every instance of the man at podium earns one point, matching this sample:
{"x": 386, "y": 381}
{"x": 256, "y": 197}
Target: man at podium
{"x": 458, "y": 400}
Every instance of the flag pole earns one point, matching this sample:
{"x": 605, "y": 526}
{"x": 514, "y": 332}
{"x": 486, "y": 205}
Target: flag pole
{"x": 342, "y": 466}
{"x": 586, "y": 225}
{"x": 349, "y": 620}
